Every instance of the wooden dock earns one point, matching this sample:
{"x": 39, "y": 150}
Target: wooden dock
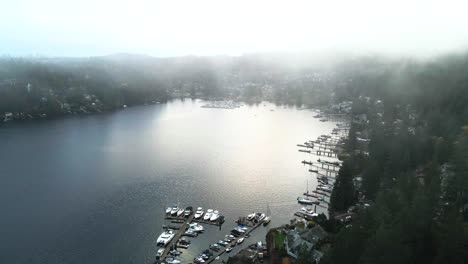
{"x": 223, "y": 249}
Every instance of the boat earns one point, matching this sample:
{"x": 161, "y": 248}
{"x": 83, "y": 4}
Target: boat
{"x": 171, "y": 260}
{"x": 222, "y": 243}
{"x": 266, "y": 221}
{"x": 215, "y": 247}
{"x": 214, "y": 216}
{"x": 183, "y": 243}
{"x": 198, "y": 260}
{"x": 159, "y": 253}
{"x": 175, "y": 253}
{"x": 208, "y": 214}
{"x": 180, "y": 212}
{"x": 199, "y": 213}
{"x": 304, "y": 201}
{"x": 259, "y": 217}
{"x": 174, "y": 210}
{"x": 190, "y": 233}
{"x": 195, "y": 227}
{"x": 228, "y": 249}
{"x": 165, "y": 237}
{"x": 240, "y": 240}
{"x": 168, "y": 210}
{"x": 188, "y": 211}
{"x": 251, "y": 216}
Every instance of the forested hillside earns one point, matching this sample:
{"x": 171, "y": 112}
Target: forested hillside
{"x": 412, "y": 203}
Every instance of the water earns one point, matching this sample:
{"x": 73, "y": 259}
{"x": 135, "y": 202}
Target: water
{"x": 92, "y": 189}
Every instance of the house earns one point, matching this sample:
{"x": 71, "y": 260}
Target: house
{"x": 297, "y": 240}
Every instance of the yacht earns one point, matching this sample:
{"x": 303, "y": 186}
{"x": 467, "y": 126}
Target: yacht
{"x": 180, "y": 212}
{"x": 168, "y": 210}
{"x": 165, "y": 237}
{"x": 159, "y": 253}
{"x": 259, "y": 217}
{"x": 208, "y": 214}
{"x": 214, "y": 216}
{"x": 251, "y": 216}
{"x": 188, "y": 211}
{"x": 171, "y": 260}
{"x": 174, "y": 210}
{"x": 199, "y": 213}
{"x": 195, "y": 227}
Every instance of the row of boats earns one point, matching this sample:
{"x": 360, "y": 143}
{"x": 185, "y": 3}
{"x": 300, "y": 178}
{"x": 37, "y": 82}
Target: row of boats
{"x": 209, "y": 215}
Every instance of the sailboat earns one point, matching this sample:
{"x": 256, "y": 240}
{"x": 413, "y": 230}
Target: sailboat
{"x": 267, "y": 219}
{"x": 310, "y": 194}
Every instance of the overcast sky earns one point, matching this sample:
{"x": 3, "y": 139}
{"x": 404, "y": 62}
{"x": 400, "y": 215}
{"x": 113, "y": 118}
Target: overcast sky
{"x": 199, "y": 27}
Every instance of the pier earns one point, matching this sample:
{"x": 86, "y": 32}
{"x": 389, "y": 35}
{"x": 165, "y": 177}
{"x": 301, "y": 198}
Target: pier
{"x": 177, "y": 236}
{"x": 234, "y": 243}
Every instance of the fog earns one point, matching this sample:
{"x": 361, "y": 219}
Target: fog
{"x": 214, "y": 27}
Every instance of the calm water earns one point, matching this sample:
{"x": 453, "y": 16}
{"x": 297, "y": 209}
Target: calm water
{"x": 92, "y": 189}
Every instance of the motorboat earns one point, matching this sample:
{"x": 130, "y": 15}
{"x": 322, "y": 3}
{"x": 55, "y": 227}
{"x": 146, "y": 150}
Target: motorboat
{"x": 267, "y": 220}
{"x": 222, "y": 243}
{"x": 208, "y": 214}
{"x": 304, "y": 201}
{"x": 165, "y": 237}
{"x": 215, "y": 247}
{"x": 171, "y": 260}
{"x": 159, "y": 253}
{"x": 236, "y": 232}
{"x": 168, "y": 210}
{"x": 175, "y": 253}
{"x": 180, "y": 212}
{"x": 183, "y": 243}
{"x": 198, "y": 260}
{"x": 214, "y": 216}
{"x": 174, "y": 210}
{"x": 251, "y": 216}
{"x": 195, "y": 227}
{"x": 259, "y": 217}
{"x": 188, "y": 211}
{"x": 199, "y": 213}
{"x": 228, "y": 249}
{"x": 190, "y": 233}
{"x": 240, "y": 240}
{"x": 242, "y": 227}
{"x": 230, "y": 237}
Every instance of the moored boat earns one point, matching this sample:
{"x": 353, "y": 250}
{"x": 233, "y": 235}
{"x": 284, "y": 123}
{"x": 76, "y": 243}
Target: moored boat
{"x": 199, "y": 213}
{"x": 208, "y": 214}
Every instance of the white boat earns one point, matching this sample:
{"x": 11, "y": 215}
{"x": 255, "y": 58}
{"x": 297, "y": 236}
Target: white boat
{"x": 250, "y": 216}
{"x": 199, "y": 213}
{"x": 174, "y": 210}
{"x": 304, "y": 201}
{"x": 259, "y": 217}
{"x": 195, "y": 227}
{"x": 159, "y": 253}
{"x": 240, "y": 240}
{"x": 228, "y": 249}
{"x": 208, "y": 214}
{"x": 165, "y": 237}
{"x": 214, "y": 216}
{"x": 180, "y": 212}
{"x": 172, "y": 260}
{"x": 168, "y": 210}
{"x": 266, "y": 221}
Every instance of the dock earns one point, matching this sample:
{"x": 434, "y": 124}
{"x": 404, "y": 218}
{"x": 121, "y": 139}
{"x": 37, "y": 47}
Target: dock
{"x": 178, "y": 235}
{"x": 223, "y": 249}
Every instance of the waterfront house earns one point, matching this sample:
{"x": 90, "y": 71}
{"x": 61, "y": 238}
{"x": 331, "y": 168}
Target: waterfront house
{"x": 309, "y": 239}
